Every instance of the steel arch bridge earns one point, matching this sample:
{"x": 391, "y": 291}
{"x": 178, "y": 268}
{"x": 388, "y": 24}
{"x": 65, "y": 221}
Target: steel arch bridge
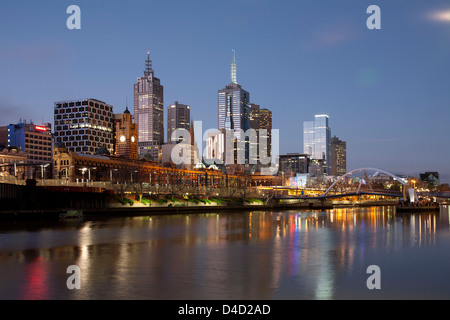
{"x": 365, "y": 169}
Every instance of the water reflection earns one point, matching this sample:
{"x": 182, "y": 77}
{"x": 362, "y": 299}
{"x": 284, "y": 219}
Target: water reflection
{"x": 256, "y": 255}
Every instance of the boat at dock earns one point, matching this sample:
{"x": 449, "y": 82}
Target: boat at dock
{"x": 71, "y": 214}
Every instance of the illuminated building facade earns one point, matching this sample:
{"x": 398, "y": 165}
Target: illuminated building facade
{"x": 178, "y": 117}
{"x": 10, "y": 163}
{"x": 149, "y": 113}
{"x": 338, "y": 157}
{"x": 233, "y": 109}
{"x": 84, "y": 125}
{"x": 261, "y": 119}
{"x": 74, "y": 167}
{"x": 125, "y": 135}
{"x": 317, "y": 140}
{"x": 292, "y": 163}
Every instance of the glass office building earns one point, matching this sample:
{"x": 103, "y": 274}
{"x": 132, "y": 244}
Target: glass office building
{"x": 317, "y": 140}
{"x": 233, "y": 111}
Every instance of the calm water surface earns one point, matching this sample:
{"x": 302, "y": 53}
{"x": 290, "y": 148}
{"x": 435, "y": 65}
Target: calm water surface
{"x": 257, "y": 255}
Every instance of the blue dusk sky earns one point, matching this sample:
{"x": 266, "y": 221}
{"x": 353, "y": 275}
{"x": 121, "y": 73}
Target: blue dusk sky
{"x": 386, "y": 91}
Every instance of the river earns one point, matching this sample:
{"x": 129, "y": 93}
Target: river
{"x": 249, "y": 255}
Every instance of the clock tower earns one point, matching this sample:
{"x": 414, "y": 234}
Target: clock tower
{"x": 125, "y": 135}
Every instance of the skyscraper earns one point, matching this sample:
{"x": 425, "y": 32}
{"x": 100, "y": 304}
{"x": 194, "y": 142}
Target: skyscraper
{"x": 149, "y": 112}
{"x": 178, "y": 117}
{"x": 233, "y": 111}
{"x": 338, "y": 157}
{"x": 317, "y": 140}
{"x": 261, "y": 119}
{"x": 233, "y": 103}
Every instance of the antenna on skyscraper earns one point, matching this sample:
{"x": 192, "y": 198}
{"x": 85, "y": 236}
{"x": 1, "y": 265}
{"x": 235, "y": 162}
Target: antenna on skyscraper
{"x": 233, "y": 68}
{"x": 148, "y": 64}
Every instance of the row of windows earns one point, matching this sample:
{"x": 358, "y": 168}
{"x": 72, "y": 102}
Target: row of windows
{"x": 38, "y": 136}
{"x": 76, "y": 134}
{"x": 83, "y": 105}
{"x": 83, "y": 119}
{"x": 37, "y": 142}
{"x": 72, "y": 104}
{"x": 99, "y": 125}
{"x": 35, "y": 147}
{"x": 85, "y": 138}
{"x": 41, "y": 153}
{"x": 81, "y": 111}
{"x": 39, "y": 158}
{"x": 71, "y": 115}
{"x": 11, "y": 160}
{"x": 80, "y": 121}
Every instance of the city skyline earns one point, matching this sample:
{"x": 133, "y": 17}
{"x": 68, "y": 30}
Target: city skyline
{"x": 385, "y": 91}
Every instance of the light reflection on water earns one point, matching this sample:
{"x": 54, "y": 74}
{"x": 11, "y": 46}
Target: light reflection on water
{"x": 256, "y": 255}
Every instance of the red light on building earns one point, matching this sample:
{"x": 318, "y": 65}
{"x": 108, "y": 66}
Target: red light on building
{"x": 40, "y": 128}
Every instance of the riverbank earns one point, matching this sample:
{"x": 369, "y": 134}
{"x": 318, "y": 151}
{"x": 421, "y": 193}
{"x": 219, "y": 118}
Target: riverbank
{"x": 115, "y": 210}
{"x": 141, "y": 210}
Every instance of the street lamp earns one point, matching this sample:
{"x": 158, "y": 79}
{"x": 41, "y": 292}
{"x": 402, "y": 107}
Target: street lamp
{"x": 42, "y": 170}
{"x": 66, "y": 168}
{"x": 83, "y": 170}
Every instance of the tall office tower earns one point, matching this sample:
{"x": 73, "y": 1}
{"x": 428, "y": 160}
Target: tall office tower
{"x": 84, "y": 125}
{"x": 261, "y": 118}
{"x": 125, "y": 135}
{"x": 317, "y": 140}
{"x": 338, "y": 157}
{"x": 178, "y": 117}
{"x": 149, "y": 112}
{"x": 233, "y": 104}
{"x": 233, "y": 107}
{"x": 34, "y": 140}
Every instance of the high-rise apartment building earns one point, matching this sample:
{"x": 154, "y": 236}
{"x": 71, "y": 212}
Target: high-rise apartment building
{"x": 317, "y": 140}
{"x": 338, "y": 157}
{"x": 84, "y": 125}
{"x": 149, "y": 113}
{"x": 125, "y": 132}
{"x": 178, "y": 117}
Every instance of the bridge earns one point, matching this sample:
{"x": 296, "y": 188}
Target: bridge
{"x": 364, "y": 187}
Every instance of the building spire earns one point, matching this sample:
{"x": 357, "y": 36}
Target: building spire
{"x": 233, "y": 68}
{"x": 148, "y": 65}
